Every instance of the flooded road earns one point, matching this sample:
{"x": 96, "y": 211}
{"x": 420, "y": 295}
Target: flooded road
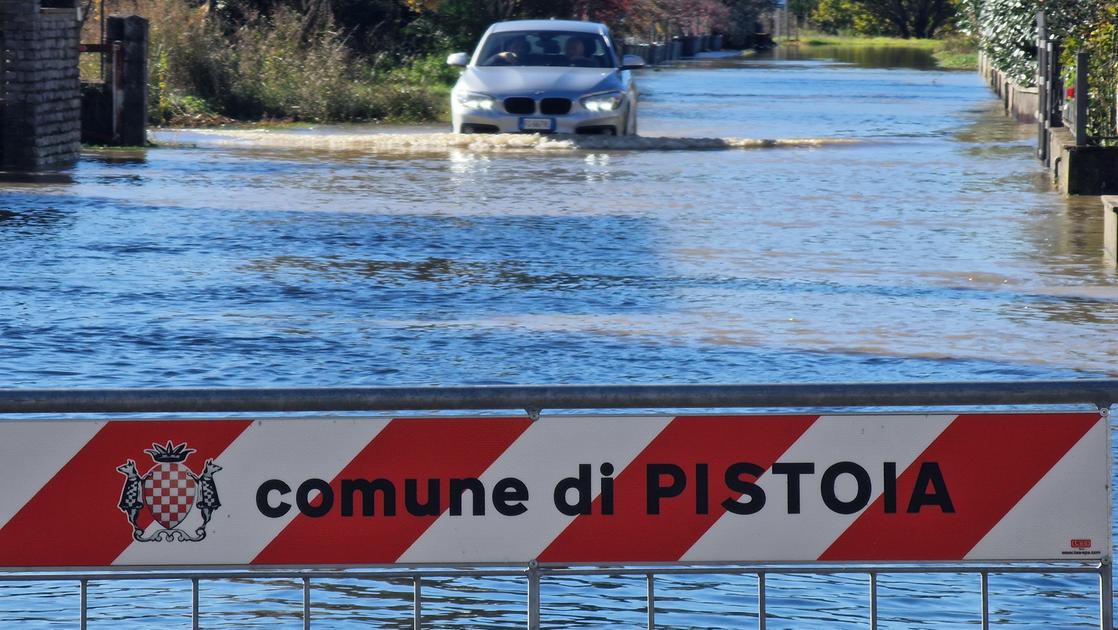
{"x": 928, "y": 247}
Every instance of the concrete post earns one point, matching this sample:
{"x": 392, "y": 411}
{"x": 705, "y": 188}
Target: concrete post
{"x": 1110, "y": 228}
{"x": 130, "y": 94}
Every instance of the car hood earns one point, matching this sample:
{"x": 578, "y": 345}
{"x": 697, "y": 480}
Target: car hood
{"x": 504, "y": 80}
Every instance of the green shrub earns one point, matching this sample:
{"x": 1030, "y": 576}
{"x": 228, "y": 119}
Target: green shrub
{"x": 1098, "y": 37}
{"x": 847, "y": 16}
{"x": 278, "y": 67}
{"x": 1007, "y": 33}
{"x": 956, "y": 53}
{"x": 187, "y": 55}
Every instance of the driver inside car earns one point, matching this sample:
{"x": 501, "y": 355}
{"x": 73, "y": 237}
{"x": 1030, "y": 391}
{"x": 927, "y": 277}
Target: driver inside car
{"x": 515, "y": 53}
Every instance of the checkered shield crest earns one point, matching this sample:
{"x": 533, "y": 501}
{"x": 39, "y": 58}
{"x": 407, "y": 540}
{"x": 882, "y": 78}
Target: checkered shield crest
{"x": 169, "y": 491}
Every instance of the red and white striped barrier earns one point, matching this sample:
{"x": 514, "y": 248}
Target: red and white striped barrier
{"x": 563, "y": 489}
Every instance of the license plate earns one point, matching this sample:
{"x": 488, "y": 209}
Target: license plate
{"x": 537, "y": 124}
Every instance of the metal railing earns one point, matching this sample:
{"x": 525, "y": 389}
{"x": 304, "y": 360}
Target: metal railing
{"x": 1058, "y": 107}
{"x": 1049, "y": 88}
{"x": 1098, "y": 393}
{"x": 1077, "y": 102}
{"x": 534, "y": 574}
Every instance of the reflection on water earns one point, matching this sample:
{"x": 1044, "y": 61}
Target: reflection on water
{"x": 115, "y": 156}
{"x": 861, "y": 56}
{"x": 682, "y": 602}
{"x": 927, "y": 245}
{"x": 9, "y": 178}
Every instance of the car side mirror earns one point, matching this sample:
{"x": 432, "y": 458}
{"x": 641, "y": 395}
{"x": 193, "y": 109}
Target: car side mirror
{"x": 632, "y": 62}
{"x": 459, "y": 59}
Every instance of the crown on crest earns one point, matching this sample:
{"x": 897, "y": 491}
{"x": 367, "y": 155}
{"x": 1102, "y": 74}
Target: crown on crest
{"x": 170, "y": 453}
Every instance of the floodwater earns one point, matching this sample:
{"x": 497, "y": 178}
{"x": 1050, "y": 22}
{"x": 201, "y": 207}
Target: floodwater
{"x": 905, "y": 233}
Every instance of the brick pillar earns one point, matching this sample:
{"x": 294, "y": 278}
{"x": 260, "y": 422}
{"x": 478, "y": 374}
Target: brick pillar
{"x": 41, "y": 122}
{"x": 3, "y": 84}
{"x": 16, "y": 18}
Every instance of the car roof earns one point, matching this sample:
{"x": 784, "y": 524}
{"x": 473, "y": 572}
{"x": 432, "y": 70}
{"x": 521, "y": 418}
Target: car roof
{"x": 549, "y": 25}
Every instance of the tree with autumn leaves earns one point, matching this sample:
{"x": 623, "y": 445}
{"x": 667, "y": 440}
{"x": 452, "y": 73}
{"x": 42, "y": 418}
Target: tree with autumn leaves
{"x": 406, "y": 28}
{"x": 461, "y": 22}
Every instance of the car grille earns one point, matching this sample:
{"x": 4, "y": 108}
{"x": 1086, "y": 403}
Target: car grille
{"x": 520, "y": 105}
{"x": 555, "y": 106}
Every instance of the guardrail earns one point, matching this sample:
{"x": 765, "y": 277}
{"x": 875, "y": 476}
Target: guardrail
{"x": 1097, "y": 393}
{"x": 534, "y": 574}
{"x": 1100, "y": 393}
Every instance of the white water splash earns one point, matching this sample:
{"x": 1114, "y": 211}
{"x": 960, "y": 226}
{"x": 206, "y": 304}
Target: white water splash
{"x": 483, "y": 143}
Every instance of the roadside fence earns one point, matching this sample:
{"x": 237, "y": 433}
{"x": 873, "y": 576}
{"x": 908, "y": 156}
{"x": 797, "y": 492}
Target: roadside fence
{"x": 1062, "y": 105}
{"x": 834, "y": 481}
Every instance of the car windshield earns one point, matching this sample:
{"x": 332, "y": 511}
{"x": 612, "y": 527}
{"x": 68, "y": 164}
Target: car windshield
{"x": 546, "y": 48}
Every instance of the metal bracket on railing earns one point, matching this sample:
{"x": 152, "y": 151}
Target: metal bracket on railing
{"x": 873, "y": 601}
{"x": 417, "y": 603}
{"x": 83, "y": 597}
{"x": 533, "y": 413}
{"x": 1106, "y": 594}
{"x": 195, "y": 615}
{"x": 762, "y": 607}
{"x": 1106, "y": 570}
{"x": 984, "y": 585}
{"x": 533, "y": 595}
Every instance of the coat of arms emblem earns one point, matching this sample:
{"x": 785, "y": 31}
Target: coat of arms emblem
{"x": 169, "y": 491}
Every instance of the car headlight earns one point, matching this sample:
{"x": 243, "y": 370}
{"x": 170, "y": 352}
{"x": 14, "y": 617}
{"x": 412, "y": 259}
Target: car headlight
{"x": 476, "y": 101}
{"x": 603, "y": 102}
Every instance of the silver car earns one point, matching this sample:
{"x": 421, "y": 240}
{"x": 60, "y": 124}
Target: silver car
{"x": 545, "y": 76}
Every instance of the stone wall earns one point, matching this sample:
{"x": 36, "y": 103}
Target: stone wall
{"x": 1080, "y": 170}
{"x": 1076, "y": 170}
{"x": 1020, "y": 102}
{"x": 40, "y": 128}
